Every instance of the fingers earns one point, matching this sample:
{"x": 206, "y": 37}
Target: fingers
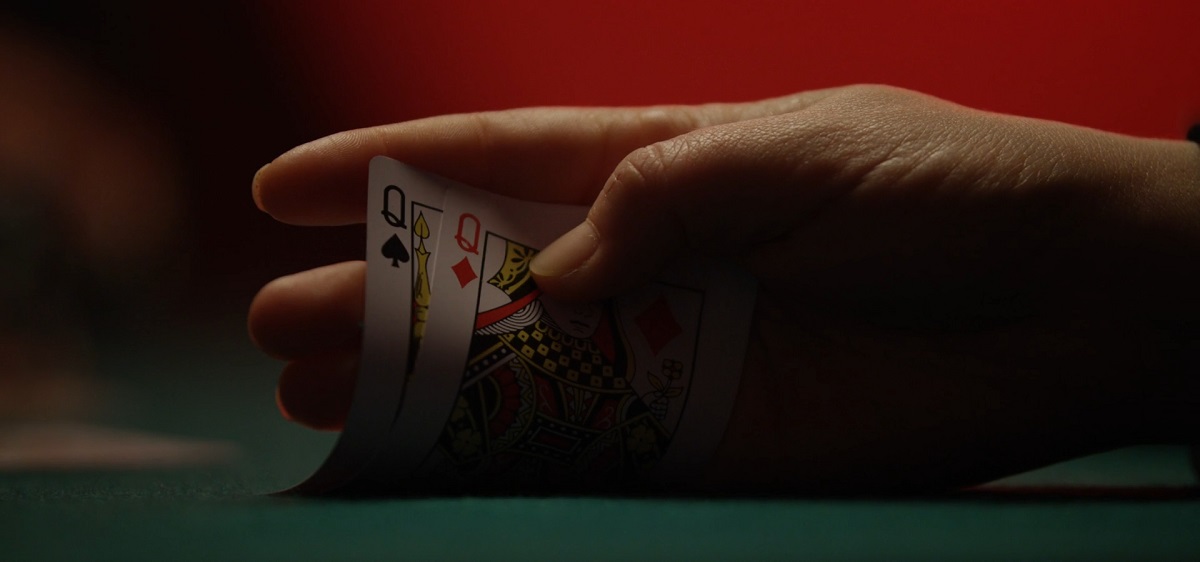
{"x": 310, "y": 312}
{"x": 557, "y": 155}
{"x": 313, "y": 319}
{"x": 317, "y": 391}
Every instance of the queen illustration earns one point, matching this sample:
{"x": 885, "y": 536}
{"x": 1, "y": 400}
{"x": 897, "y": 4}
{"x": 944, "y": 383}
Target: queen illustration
{"x": 547, "y": 395}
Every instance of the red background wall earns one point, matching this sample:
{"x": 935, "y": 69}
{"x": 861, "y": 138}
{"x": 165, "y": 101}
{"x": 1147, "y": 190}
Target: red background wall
{"x": 1126, "y": 66}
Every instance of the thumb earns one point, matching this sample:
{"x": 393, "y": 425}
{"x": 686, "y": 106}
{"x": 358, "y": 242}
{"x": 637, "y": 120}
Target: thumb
{"x": 713, "y": 191}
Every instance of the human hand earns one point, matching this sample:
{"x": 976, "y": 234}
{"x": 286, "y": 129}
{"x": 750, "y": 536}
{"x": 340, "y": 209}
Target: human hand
{"x": 946, "y": 295}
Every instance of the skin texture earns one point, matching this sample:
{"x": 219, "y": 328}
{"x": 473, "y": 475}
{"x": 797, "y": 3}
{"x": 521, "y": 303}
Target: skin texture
{"x": 946, "y": 295}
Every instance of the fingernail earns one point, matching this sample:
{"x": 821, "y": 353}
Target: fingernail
{"x": 254, "y": 187}
{"x": 567, "y": 253}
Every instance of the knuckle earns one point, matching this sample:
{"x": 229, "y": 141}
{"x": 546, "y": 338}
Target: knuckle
{"x": 881, "y": 94}
{"x": 882, "y": 135}
{"x": 641, "y": 171}
{"x": 664, "y": 122}
{"x": 637, "y": 199}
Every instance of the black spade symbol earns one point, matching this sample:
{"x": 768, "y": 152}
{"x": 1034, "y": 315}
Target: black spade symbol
{"x": 394, "y": 250}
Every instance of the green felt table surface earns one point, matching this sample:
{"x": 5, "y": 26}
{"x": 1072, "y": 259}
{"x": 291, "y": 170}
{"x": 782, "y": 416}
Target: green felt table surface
{"x": 213, "y": 385}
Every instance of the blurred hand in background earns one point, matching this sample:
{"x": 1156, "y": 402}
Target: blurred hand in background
{"x": 89, "y": 206}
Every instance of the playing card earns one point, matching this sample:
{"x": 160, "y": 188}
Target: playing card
{"x": 403, "y": 221}
{"x": 514, "y": 391}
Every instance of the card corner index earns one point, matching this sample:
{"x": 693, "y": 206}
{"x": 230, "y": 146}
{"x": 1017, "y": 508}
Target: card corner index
{"x": 380, "y": 160}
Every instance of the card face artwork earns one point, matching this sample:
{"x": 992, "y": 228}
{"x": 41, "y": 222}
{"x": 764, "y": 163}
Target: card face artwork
{"x": 472, "y": 379}
{"x": 403, "y": 219}
{"x": 516, "y": 391}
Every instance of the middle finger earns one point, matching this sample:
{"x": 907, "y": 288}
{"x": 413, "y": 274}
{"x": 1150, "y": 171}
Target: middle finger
{"x": 310, "y": 312}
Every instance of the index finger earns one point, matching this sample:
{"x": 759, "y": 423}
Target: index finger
{"x": 556, "y": 155}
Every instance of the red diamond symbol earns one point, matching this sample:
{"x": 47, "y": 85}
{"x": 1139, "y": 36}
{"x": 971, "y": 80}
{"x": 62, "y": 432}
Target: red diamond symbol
{"x": 658, "y": 324}
{"x": 464, "y": 272}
